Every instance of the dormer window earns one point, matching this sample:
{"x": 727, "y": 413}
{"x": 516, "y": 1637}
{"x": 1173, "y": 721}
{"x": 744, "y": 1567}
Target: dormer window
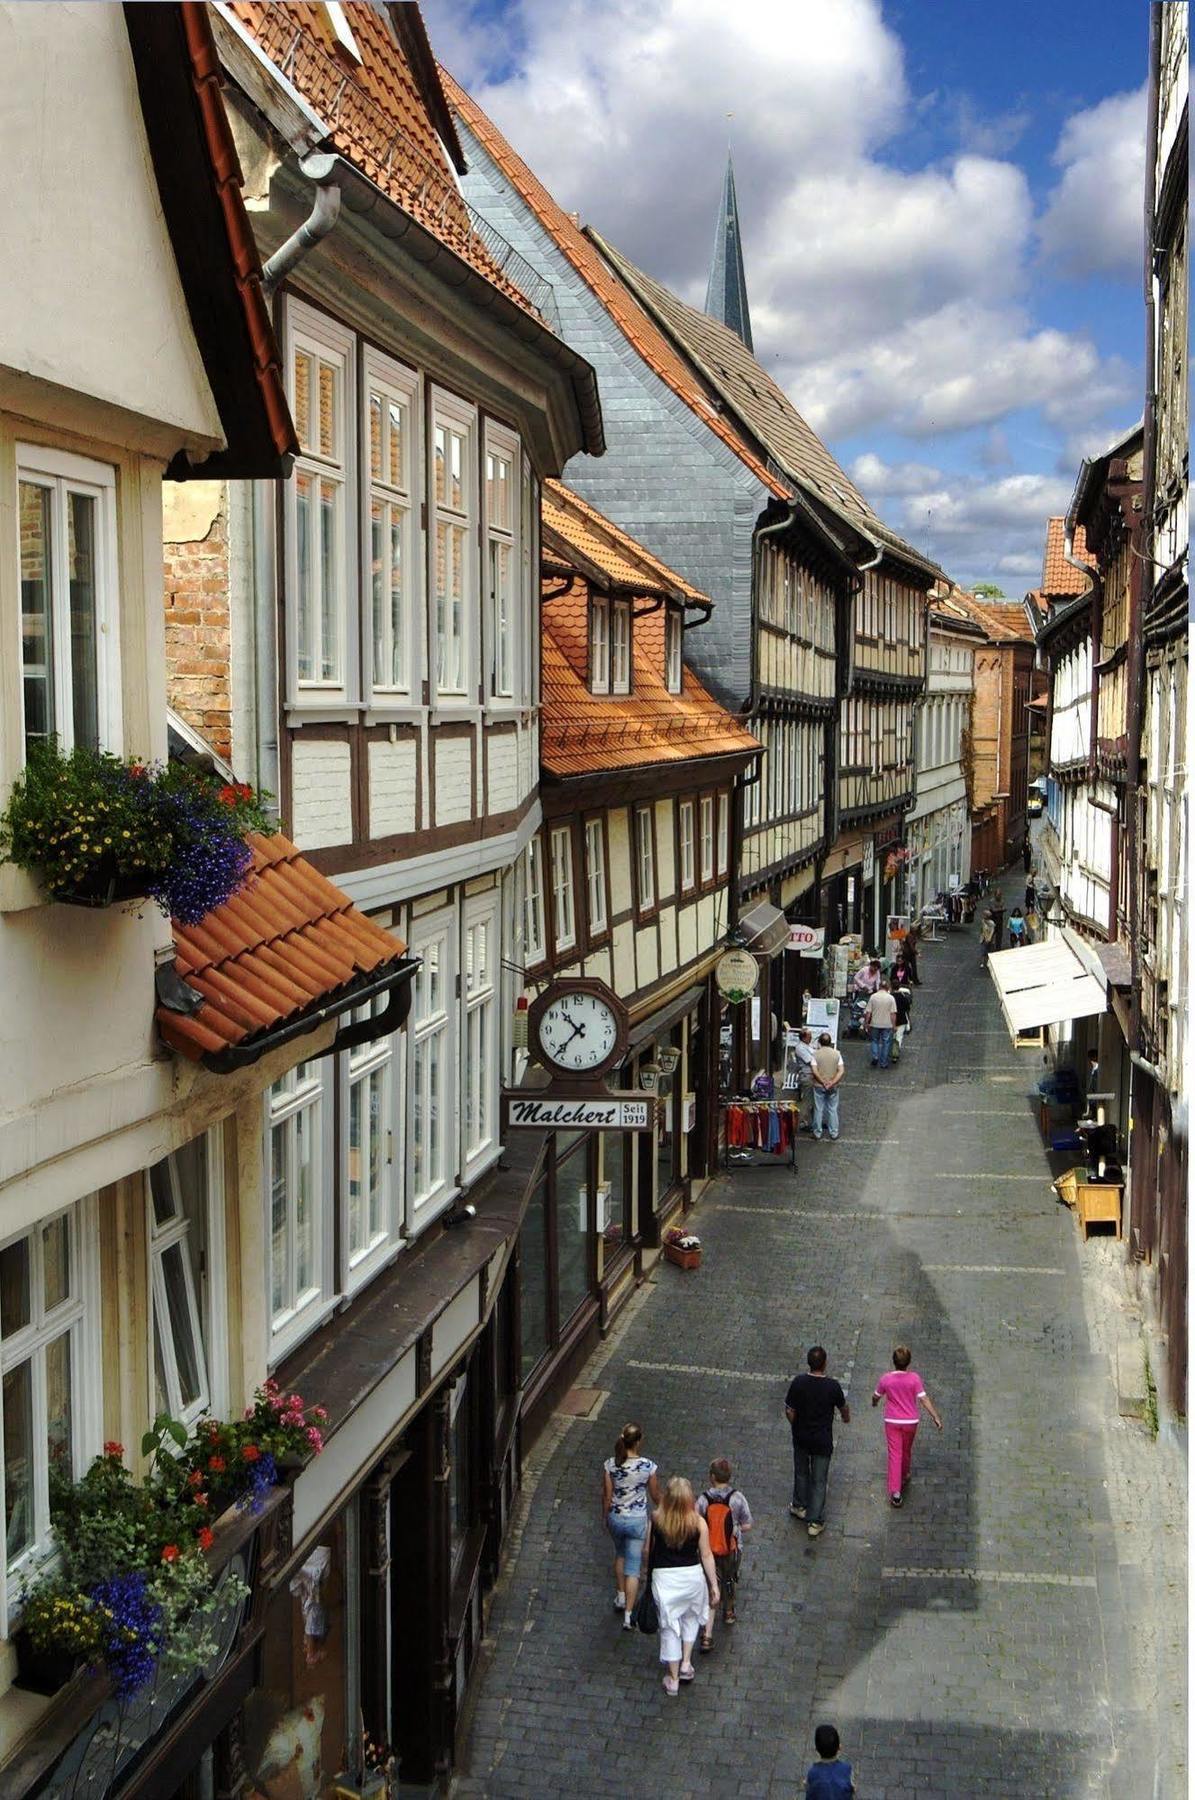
{"x": 620, "y": 647}
{"x": 599, "y": 645}
{"x": 674, "y": 631}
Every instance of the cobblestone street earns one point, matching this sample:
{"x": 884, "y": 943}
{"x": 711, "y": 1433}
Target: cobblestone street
{"x": 975, "y": 1643}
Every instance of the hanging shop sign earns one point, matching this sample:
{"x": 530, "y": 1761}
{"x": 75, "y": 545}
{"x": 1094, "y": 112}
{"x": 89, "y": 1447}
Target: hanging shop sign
{"x": 736, "y": 975}
{"x": 578, "y": 1112}
{"x": 869, "y": 859}
{"x": 806, "y": 940}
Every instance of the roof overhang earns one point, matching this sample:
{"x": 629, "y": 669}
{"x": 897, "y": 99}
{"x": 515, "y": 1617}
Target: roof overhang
{"x": 1045, "y": 984}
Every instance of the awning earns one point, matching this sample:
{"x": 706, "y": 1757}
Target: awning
{"x": 763, "y": 929}
{"x": 1044, "y": 984}
{"x": 677, "y": 1008}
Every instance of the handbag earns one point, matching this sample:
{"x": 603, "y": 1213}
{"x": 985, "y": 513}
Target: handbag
{"x": 645, "y": 1613}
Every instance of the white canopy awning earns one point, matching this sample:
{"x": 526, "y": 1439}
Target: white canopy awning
{"x": 1044, "y": 984}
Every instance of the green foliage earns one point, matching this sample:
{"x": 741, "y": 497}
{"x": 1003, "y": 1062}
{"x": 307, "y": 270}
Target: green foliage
{"x": 987, "y": 590}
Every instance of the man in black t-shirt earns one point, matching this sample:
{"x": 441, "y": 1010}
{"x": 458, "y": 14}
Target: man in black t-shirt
{"x": 809, "y": 1406}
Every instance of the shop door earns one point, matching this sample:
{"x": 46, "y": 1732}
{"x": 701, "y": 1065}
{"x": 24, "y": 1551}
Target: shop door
{"x": 419, "y": 1592}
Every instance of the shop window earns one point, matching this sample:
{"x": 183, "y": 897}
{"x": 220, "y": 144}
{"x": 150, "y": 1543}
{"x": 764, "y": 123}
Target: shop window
{"x": 69, "y": 667}
{"x": 533, "y": 1277}
{"x": 48, "y": 1378}
{"x": 294, "y": 1183}
{"x": 460, "y": 1476}
{"x": 616, "y": 1228}
{"x": 573, "y": 1222}
{"x": 186, "y": 1245}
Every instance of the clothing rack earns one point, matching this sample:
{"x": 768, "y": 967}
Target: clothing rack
{"x": 764, "y": 1117}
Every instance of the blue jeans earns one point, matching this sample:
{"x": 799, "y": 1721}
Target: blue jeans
{"x": 628, "y": 1533}
{"x": 811, "y": 1472}
{"x": 825, "y": 1111}
{"x": 881, "y": 1045}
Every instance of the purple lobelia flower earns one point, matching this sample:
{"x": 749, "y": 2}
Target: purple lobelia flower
{"x": 132, "y": 1631}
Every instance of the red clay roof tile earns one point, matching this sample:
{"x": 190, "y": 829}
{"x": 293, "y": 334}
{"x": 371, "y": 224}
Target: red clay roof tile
{"x": 1059, "y": 577}
{"x": 288, "y": 940}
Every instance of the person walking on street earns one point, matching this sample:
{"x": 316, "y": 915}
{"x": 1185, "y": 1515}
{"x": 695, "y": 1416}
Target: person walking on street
{"x": 902, "y": 1391}
{"x": 684, "y": 1579}
{"x": 804, "y": 1054}
{"x": 867, "y": 977}
{"x": 1018, "y": 930}
{"x": 728, "y": 1518}
{"x": 1031, "y": 893}
{"x": 998, "y": 919}
{"x": 1027, "y": 851}
{"x": 912, "y": 940}
{"x": 880, "y": 1019}
{"x": 987, "y": 937}
{"x": 809, "y": 1406}
{"x": 830, "y": 1778}
{"x": 903, "y": 996}
{"x": 827, "y": 1071}
{"x": 629, "y": 1481}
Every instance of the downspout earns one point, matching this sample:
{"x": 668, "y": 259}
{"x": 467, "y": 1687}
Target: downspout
{"x": 319, "y": 168}
{"x": 1136, "y": 664}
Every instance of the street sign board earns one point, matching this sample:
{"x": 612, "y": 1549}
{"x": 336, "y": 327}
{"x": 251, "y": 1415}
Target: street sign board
{"x": 807, "y": 940}
{"x": 577, "y": 1112}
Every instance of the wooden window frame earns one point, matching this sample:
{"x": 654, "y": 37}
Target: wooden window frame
{"x": 563, "y": 946}
{"x": 621, "y": 680}
{"x": 686, "y": 867}
{"x": 598, "y": 623}
{"x": 314, "y": 333}
{"x": 645, "y": 908}
{"x": 599, "y": 932}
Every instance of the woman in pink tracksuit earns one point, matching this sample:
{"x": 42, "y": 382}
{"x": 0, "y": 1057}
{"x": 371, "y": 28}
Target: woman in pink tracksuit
{"x": 902, "y": 1391}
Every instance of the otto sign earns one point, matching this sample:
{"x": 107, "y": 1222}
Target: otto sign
{"x": 605, "y": 1112}
{"x": 807, "y": 940}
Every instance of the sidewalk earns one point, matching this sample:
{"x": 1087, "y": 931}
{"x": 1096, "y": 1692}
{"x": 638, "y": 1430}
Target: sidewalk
{"x": 1009, "y": 1630}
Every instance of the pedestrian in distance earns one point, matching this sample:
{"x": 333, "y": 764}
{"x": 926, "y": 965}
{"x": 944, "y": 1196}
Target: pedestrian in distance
{"x": 987, "y": 937}
{"x": 827, "y": 1072}
{"x": 880, "y": 1020}
{"x": 629, "y": 1481}
{"x": 728, "y": 1519}
{"x": 998, "y": 919}
{"x": 1018, "y": 930}
{"x": 804, "y": 1057}
{"x": 1030, "y": 894}
{"x": 684, "y": 1579}
{"x": 903, "y": 996}
{"x": 830, "y": 1778}
{"x": 809, "y": 1406}
{"x": 911, "y": 944}
{"x": 1027, "y": 851}
{"x": 867, "y": 977}
{"x": 902, "y": 1391}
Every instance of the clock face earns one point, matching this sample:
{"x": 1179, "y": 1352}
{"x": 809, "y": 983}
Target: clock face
{"x": 578, "y": 1032}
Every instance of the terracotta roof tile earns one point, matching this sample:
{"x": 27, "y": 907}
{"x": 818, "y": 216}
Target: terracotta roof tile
{"x": 572, "y": 522}
{"x": 589, "y": 734}
{"x": 1058, "y": 577}
{"x": 380, "y": 120}
{"x": 288, "y": 941}
{"x": 637, "y": 326}
{"x": 1004, "y": 621}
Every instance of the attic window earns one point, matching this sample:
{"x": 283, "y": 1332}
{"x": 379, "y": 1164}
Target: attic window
{"x": 620, "y": 647}
{"x": 599, "y": 645}
{"x": 340, "y": 30}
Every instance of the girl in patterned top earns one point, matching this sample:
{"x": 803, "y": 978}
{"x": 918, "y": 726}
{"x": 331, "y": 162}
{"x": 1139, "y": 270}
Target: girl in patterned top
{"x": 628, "y": 1482}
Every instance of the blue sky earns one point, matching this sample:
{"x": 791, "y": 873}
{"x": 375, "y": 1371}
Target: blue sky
{"x": 941, "y": 208}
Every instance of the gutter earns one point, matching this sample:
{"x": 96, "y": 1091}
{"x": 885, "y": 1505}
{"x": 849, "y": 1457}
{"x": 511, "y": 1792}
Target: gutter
{"x": 396, "y": 981}
{"x": 320, "y": 169}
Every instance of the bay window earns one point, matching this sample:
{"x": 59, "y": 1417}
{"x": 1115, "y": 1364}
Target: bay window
{"x": 67, "y": 525}
{"x": 674, "y": 632}
{"x": 480, "y": 1074}
{"x": 688, "y": 875}
{"x": 320, "y": 369}
{"x": 48, "y": 1377}
{"x": 370, "y": 1174}
{"x": 432, "y": 1032}
{"x": 186, "y": 1258}
{"x": 454, "y": 510}
{"x": 502, "y": 558}
{"x": 564, "y": 924}
{"x": 299, "y": 1246}
{"x": 392, "y": 394}
{"x": 595, "y": 876}
{"x": 534, "y": 932}
{"x": 620, "y": 647}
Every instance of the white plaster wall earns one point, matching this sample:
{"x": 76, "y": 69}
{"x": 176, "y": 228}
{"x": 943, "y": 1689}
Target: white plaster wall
{"x": 454, "y": 792}
{"x": 665, "y": 850}
{"x": 647, "y": 957}
{"x": 93, "y": 301}
{"x": 687, "y": 933}
{"x": 502, "y": 758}
{"x": 624, "y": 958}
{"x": 321, "y": 803}
{"x": 393, "y": 773}
{"x": 667, "y": 939}
{"x": 620, "y": 859}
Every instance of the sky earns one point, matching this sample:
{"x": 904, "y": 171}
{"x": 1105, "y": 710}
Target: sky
{"x": 941, "y": 203}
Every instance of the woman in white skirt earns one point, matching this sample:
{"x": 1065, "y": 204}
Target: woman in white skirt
{"x": 684, "y": 1579}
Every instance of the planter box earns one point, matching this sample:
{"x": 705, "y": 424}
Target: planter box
{"x": 42, "y": 1671}
{"x": 684, "y": 1259}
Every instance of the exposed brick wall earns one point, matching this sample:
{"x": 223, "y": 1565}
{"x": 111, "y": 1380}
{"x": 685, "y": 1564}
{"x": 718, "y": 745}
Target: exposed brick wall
{"x": 198, "y": 651}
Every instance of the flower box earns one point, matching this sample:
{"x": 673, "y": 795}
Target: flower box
{"x": 684, "y": 1259}
{"x": 42, "y": 1671}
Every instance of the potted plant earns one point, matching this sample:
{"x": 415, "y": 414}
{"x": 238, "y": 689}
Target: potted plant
{"x": 237, "y": 1461}
{"x": 682, "y": 1248}
{"x": 99, "y": 830}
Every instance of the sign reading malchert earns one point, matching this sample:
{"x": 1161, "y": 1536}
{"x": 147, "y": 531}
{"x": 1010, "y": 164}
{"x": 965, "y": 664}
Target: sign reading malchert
{"x": 585, "y": 1112}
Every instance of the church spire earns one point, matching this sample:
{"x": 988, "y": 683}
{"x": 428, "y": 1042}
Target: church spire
{"x": 726, "y": 295}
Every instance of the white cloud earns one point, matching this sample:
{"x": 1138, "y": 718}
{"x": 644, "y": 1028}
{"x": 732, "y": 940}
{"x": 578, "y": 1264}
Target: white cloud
{"x": 1093, "y": 224}
{"x": 873, "y": 476}
{"x": 977, "y": 529}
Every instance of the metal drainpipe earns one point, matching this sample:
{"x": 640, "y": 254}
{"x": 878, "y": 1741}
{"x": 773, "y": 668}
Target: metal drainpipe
{"x": 323, "y": 216}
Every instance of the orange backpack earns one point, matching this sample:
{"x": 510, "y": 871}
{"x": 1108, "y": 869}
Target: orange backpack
{"x": 719, "y": 1516}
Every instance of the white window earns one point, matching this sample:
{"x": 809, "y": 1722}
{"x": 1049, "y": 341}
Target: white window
{"x": 620, "y": 647}
{"x": 455, "y": 514}
{"x": 723, "y": 833}
{"x": 645, "y": 848}
{"x": 370, "y": 1174}
{"x": 392, "y": 408}
{"x": 69, "y": 660}
{"x": 707, "y": 837}
{"x": 595, "y": 876}
{"x": 599, "y": 644}
{"x": 674, "y": 634}
{"x": 502, "y": 559}
{"x": 563, "y": 912}
{"x": 688, "y": 858}
{"x": 480, "y": 1074}
{"x": 185, "y": 1205}
{"x": 321, "y": 387}
{"x": 49, "y": 1362}
{"x": 433, "y": 1034}
{"x": 294, "y": 1183}
{"x": 535, "y": 940}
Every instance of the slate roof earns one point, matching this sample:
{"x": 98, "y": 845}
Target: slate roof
{"x": 591, "y": 734}
{"x": 639, "y": 329}
{"x": 1058, "y": 577}
{"x": 759, "y": 403}
{"x": 289, "y": 943}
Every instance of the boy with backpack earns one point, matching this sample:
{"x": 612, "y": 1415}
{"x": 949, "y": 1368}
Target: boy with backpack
{"x": 728, "y": 1517}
